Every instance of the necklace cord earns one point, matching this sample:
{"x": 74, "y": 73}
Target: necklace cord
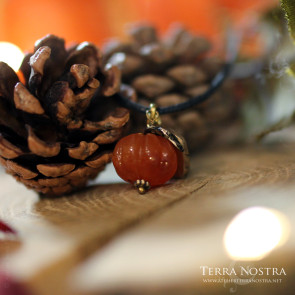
{"x": 233, "y": 44}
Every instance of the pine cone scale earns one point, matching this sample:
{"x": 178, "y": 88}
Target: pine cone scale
{"x": 85, "y": 54}
{"x": 81, "y": 74}
{"x": 114, "y": 120}
{"x": 153, "y": 85}
{"x": 83, "y": 151}
{"x": 52, "y": 68}
{"x": 99, "y": 159}
{"x": 109, "y": 136}
{"x": 51, "y": 182}
{"x": 41, "y": 148}
{"x": 8, "y": 150}
{"x": 55, "y": 170}
{"x": 20, "y": 170}
{"x": 25, "y": 101}
{"x": 8, "y": 79}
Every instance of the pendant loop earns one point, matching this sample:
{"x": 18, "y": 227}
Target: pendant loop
{"x": 153, "y": 117}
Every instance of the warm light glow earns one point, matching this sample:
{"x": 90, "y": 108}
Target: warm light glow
{"x": 11, "y": 54}
{"x": 254, "y": 233}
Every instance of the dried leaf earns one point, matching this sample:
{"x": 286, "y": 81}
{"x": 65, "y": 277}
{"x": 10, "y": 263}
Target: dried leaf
{"x": 289, "y": 8}
{"x": 277, "y": 126}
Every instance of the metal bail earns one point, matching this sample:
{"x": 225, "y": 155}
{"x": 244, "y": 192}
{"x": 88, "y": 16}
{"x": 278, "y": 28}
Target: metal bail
{"x": 153, "y": 117}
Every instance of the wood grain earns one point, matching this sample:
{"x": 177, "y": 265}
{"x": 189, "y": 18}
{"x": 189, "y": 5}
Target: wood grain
{"x": 58, "y": 234}
{"x": 164, "y": 254}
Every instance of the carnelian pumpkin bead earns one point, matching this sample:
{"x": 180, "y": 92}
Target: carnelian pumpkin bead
{"x": 150, "y": 157}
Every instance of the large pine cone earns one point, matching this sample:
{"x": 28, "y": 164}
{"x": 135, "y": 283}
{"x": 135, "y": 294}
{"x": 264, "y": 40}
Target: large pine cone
{"x": 171, "y": 70}
{"x": 57, "y": 130}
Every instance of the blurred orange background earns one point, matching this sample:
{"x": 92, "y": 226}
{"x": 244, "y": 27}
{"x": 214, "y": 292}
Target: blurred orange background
{"x": 23, "y": 22}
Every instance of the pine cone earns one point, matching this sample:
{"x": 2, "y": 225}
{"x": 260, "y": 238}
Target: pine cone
{"x": 57, "y": 130}
{"x": 172, "y": 70}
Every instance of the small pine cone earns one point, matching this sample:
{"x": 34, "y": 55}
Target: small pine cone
{"x": 57, "y": 130}
{"x": 170, "y": 70}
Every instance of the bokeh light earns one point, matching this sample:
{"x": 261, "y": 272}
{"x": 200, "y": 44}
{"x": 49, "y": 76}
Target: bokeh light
{"x": 11, "y": 54}
{"x": 255, "y": 232}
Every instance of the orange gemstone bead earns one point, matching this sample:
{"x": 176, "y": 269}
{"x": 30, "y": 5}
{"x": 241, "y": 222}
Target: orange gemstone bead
{"x": 145, "y": 156}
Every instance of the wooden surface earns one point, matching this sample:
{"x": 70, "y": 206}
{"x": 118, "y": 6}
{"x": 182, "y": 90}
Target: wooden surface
{"x": 108, "y": 239}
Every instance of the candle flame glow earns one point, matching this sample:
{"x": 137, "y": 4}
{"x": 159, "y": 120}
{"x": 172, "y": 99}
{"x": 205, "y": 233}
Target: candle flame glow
{"x": 11, "y": 54}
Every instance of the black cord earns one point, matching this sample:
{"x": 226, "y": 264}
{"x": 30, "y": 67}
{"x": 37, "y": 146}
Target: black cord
{"x": 232, "y": 51}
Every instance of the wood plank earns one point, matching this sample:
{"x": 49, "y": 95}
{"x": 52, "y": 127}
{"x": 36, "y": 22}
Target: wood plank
{"x": 164, "y": 254}
{"x": 57, "y": 234}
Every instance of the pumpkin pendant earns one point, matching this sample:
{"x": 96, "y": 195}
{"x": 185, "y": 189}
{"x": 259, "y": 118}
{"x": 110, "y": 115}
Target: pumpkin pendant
{"x": 151, "y": 158}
